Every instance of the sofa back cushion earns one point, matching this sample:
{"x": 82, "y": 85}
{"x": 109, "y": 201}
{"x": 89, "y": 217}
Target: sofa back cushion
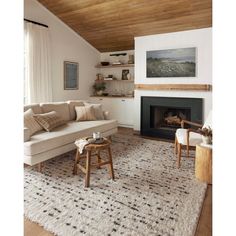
{"x": 62, "y": 109}
{"x": 35, "y": 108}
{"x": 72, "y": 105}
{"x": 30, "y": 122}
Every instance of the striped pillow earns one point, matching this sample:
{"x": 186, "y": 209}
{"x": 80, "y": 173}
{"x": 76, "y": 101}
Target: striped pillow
{"x": 30, "y": 122}
{"x": 85, "y": 113}
{"x": 49, "y": 120}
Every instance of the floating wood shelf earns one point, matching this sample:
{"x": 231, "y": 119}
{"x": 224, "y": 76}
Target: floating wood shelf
{"x": 114, "y": 66}
{"x": 110, "y": 96}
{"x": 117, "y": 80}
{"x": 178, "y": 87}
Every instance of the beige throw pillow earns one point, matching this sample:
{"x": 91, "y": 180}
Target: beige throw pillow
{"x": 97, "y": 110}
{"x": 49, "y": 120}
{"x": 85, "y": 113}
{"x": 30, "y": 122}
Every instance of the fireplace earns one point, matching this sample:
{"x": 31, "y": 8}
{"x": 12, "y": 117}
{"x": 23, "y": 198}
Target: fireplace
{"x": 161, "y": 116}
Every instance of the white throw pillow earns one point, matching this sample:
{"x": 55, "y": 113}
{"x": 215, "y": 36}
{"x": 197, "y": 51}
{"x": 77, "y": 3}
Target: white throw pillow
{"x": 30, "y": 122}
{"x": 97, "y": 110}
{"x": 85, "y": 113}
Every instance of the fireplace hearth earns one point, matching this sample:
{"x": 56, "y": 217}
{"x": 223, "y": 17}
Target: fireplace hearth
{"x": 161, "y": 116}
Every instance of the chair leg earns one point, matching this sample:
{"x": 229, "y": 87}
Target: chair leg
{"x": 179, "y": 154}
{"x": 87, "y": 176}
{"x": 187, "y": 144}
{"x": 176, "y": 143}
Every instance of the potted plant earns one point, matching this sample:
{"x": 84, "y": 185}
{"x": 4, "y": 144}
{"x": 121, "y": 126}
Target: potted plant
{"x": 99, "y": 87}
{"x": 206, "y": 133}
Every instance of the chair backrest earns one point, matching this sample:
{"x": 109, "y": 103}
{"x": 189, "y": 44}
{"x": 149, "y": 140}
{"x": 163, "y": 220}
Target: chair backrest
{"x": 208, "y": 121}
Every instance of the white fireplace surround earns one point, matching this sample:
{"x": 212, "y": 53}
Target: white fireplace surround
{"x": 201, "y": 39}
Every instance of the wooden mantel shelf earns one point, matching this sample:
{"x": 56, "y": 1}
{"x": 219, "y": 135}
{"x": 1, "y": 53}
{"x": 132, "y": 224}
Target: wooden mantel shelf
{"x": 178, "y": 87}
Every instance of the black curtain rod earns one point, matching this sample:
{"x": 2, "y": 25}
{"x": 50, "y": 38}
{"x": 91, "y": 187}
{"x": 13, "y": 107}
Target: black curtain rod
{"x": 37, "y": 23}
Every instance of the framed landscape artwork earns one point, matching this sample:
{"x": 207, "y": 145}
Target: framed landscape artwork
{"x": 71, "y": 75}
{"x": 171, "y": 63}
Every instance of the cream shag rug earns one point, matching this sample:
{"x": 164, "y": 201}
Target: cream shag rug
{"x": 150, "y": 196}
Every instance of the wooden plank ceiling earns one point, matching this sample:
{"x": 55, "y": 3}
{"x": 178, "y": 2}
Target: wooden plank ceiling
{"x": 111, "y": 25}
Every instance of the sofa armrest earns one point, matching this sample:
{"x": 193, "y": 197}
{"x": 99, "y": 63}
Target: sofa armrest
{"x": 106, "y": 115}
{"x": 26, "y": 134}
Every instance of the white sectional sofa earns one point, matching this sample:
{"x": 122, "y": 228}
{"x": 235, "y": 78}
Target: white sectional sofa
{"x": 45, "y": 145}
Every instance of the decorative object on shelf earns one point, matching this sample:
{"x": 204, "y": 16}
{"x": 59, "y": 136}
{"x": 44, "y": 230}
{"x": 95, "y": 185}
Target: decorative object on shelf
{"x": 171, "y": 63}
{"x": 206, "y": 133}
{"x": 105, "y": 63}
{"x": 129, "y": 76}
{"x": 131, "y": 59}
{"x": 124, "y": 74}
{"x": 99, "y": 76}
{"x": 109, "y": 77}
{"x": 71, "y": 75}
{"x": 99, "y": 88}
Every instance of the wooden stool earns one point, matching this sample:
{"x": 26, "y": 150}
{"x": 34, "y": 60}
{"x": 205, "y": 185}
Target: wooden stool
{"x": 203, "y": 163}
{"x": 88, "y": 153}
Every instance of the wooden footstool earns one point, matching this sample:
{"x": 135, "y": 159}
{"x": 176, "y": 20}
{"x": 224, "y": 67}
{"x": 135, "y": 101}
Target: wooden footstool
{"x": 94, "y": 150}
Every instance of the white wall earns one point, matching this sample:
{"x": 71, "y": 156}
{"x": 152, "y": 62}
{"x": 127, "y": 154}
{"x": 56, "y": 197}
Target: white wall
{"x": 66, "y": 45}
{"x": 201, "y": 39}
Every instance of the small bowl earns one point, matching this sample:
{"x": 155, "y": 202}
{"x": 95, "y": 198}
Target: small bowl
{"x": 105, "y": 94}
{"x": 105, "y": 63}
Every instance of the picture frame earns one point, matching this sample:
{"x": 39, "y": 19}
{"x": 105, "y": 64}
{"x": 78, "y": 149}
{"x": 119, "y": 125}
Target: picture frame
{"x": 71, "y": 75}
{"x": 179, "y": 62}
{"x": 124, "y": 74}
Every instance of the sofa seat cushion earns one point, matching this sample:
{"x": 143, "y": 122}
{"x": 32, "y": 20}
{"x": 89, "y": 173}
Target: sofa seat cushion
{"x": 45, "y": 141}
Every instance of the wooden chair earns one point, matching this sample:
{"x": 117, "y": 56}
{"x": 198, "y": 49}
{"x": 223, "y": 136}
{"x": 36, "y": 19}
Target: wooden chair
{"x": 189, "y": 137}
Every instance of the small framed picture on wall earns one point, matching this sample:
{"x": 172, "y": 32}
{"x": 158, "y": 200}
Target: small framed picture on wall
{"x": 71, "y": 75}
{"x": 125, "y": 74}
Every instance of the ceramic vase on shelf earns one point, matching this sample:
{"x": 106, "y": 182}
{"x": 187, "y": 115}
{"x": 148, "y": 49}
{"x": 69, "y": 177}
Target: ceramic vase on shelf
{"x": 206, "y": 139}
{"x": 129, "y": 76}
{"x": 100, "y": 92}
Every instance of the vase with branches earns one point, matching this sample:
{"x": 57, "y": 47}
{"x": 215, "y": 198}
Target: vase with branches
{"x": 206, "y": 133}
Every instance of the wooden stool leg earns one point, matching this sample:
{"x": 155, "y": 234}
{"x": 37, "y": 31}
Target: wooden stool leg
{"x": 179, "y": 154}
{"x": 87, "y": 176}
{"x": 77, "y": 157}
{"x": 99, "y": 159}
{"x": 111, "y": 164}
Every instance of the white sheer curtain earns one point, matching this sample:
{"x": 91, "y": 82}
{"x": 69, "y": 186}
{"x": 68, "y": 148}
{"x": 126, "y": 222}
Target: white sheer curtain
{"x": 38, "y": 84}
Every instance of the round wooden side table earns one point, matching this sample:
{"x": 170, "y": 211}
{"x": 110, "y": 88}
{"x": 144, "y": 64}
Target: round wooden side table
{"x": 203, "y": 163}
{"x": 90, "y": 150}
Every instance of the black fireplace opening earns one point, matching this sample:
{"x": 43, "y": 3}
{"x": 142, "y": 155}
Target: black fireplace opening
{"x": 161, "y": 116}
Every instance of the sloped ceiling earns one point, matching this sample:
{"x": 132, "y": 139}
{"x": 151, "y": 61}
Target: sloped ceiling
{"x": 111, "y": 25}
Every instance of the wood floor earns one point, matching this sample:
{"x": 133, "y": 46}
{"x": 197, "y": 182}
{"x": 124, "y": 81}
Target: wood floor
{"x": 204, "y": 227}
